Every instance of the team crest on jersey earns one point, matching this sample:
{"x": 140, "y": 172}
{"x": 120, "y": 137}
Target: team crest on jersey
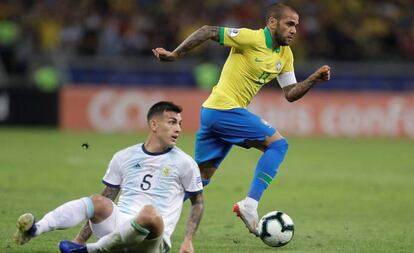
{"x": 278, "y": 66}
{"x": 233, "y": 32}
{"x": 166, "y": 172}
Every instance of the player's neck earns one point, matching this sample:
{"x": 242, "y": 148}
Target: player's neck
{"x": 275, "y": 45}
{"x": 154, "y": 146}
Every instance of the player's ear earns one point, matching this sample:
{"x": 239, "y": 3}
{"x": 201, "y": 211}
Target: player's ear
{"x": 272, "y": 22}
{"x": 153, "y": 124}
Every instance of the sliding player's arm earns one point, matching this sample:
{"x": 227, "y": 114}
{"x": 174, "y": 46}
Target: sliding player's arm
{"x": 197, "y": 208}
{"x": 195, "y": 39}
{"x": 86, "y": 232}
{"x": 295, "y": 91}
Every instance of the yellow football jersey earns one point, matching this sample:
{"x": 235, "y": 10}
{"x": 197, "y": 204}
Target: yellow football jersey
{"x": 252, "y": 63}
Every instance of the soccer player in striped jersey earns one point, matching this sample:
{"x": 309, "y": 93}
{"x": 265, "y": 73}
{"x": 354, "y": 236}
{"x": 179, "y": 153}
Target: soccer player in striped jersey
{"x": 152, "y": 178}
{"x": 256, "y": 57}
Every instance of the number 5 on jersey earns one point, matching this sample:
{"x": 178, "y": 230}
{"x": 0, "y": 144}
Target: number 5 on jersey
{"x": 146, "y": 184}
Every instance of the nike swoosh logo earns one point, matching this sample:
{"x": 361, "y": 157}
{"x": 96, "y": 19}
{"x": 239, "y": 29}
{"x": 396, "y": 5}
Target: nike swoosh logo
{"x": 258, "y": 60}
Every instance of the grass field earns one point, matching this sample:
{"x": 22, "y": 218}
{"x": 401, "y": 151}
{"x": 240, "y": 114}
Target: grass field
{"x": 344, "y": 195}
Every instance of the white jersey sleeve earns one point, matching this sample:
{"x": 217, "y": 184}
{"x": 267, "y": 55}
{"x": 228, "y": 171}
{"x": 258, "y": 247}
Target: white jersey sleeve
{"x": 113, "y": 175}
{"x": 191, "y": 178}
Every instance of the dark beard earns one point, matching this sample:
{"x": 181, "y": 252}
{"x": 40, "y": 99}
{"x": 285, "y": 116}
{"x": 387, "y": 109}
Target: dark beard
{"x": 280, "y": 40}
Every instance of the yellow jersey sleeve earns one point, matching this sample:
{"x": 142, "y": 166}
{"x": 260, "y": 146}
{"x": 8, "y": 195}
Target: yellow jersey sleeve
{"x": 238, "y": 37}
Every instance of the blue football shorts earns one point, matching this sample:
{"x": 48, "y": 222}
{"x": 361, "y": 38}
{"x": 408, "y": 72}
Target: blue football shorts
{"x": 221, "y": 129}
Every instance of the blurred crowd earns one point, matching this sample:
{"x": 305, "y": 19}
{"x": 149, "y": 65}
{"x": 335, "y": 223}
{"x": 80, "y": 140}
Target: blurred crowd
{"x": 352, "y": 30}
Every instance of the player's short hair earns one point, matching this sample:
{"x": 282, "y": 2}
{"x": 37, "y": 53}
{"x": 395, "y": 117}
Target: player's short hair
{"x": 161, "y": 107}
{"x": 277, "y": 10}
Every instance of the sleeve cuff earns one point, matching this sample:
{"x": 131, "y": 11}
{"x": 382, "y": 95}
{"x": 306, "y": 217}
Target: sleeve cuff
{"x": 194, "y": 193}
{"x": 110, "y": 185}
{"x": 221, "y": 35}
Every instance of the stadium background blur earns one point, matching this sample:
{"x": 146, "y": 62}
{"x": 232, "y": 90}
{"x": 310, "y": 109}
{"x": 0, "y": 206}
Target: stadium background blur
{"x": 86, "y": 39}
{"x": 52, "y": 45}
{"x": 78, "y": 69}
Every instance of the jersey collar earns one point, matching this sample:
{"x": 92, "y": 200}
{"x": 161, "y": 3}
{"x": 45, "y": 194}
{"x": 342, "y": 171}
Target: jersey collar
{"x": 156, "y": 153}
{"x": 269, "y": 41}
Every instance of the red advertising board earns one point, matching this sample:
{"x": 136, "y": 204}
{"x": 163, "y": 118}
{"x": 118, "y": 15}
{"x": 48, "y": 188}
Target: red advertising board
{"x": 114, "y": 110}
{"x": 353, "y": 114}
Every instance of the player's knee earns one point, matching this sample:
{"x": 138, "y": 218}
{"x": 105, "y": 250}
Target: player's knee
{"x": 150, "y": 219}
{"x": 102, "y": 207}
{"x": 281, "y": 145}
{"x": 207, "y": 170}
{"x": 99, "y": 201}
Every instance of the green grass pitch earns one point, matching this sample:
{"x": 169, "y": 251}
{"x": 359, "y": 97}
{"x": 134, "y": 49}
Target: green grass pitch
{"x": 344, "y": 195}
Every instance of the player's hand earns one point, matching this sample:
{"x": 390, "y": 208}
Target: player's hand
{"x": 322, "y": 74}
{"x": 186, "y": 246}
{"x": 164, "y": 55}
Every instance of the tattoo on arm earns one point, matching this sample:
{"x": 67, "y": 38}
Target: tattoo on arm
{"x": 198, "y": 37}
{"x": 296, "y": 91}
{"x": 110, "y": 192}
{"x": 86, "y": 231}
{"x": 197, "y": 208}
{"x": 84, "y": 234}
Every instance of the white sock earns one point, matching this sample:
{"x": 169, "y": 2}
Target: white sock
{"x": 130, "y": 233}
{"x": 251, "y": 203}
{"x": 66, "y": 216}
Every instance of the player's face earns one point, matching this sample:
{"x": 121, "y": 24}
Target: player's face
{"x": 285, "y": 29}
{"x": 168, "y": 128}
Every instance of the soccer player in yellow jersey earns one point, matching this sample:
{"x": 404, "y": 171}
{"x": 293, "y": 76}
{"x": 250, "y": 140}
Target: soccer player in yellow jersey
{"x": 256, "y": 57}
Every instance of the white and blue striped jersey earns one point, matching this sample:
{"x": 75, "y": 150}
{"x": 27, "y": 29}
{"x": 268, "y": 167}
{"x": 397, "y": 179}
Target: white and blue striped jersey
{"x": 158, "y": 179}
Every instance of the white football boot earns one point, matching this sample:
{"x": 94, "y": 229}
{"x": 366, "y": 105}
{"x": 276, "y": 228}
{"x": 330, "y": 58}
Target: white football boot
{"x": 26, "y": 229}
{"x": 248, "y": 215}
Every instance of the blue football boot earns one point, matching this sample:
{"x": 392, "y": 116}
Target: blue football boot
{"x": 71, "y": 247}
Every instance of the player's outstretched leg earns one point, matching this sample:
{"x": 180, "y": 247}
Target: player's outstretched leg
{"x": 266, "y": 170}
{"x": 26, "y": 229}
{"x": 65, "y": 216}
{"x": 71, "y": 247}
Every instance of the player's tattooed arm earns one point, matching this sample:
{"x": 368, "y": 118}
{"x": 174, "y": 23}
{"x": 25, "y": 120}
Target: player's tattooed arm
{"x": 296, "y": 91}
{"x": 198, "y": 37}
{"x": 197, "y": 208}
{"x": 83, "y": 234}
{"x": 110, "y": 192}
{"x": 86, "y": 231}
